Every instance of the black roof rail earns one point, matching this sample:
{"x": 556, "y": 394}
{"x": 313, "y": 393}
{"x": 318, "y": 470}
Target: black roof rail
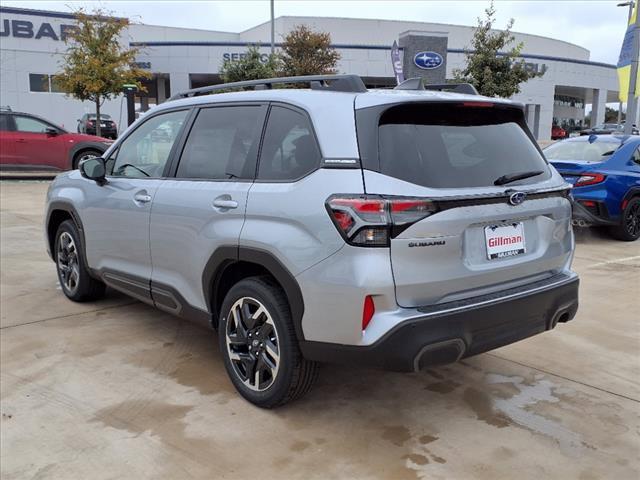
{"x": 331, "y": 83}
{"x": 417, "y": 83}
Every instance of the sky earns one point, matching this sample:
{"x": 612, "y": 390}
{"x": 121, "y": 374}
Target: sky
{"x": 597, "y": 25}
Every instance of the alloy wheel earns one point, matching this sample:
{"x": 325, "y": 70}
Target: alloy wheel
{"x": 632, "y": 220}
{"x": 67, "y": 260}
{"x": 252, "y": 344}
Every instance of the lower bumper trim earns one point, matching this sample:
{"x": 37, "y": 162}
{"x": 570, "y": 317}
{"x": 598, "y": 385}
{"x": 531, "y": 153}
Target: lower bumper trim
{"x": 435, "y": 339}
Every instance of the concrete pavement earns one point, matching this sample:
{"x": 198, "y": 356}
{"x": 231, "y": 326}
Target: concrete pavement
{"x": 117, "y": 389}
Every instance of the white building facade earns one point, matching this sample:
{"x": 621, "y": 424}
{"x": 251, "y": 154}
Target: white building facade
{"x": 32, "y": 49}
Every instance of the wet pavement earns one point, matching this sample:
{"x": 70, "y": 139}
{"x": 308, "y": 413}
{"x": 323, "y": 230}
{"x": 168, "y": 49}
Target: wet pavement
{"x": 117, "y": 389}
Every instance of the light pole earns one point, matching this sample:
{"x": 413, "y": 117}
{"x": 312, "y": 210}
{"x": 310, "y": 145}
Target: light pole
{"x": 632, "y": 104}
{"x": 273, "y": 31}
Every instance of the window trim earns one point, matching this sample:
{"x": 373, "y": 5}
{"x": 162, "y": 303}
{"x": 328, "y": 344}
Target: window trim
{"x": 264, "y": 109}
{"x": 115, "y": 148}
{"x": 302, "y": 111}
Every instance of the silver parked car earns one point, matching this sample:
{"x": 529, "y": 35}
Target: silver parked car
{"x": 389, "y": 228}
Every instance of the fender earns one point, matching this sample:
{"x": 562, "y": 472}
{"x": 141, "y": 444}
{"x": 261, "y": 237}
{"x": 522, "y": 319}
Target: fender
{"x": 223, "y": 257}
{"x": 101, "y": 147}
{"x": 633, "y": 192}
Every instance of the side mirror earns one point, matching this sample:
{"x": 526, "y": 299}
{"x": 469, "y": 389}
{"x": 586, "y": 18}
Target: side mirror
{"x": 51, "y": 131}
{"x": 93, "y": 169}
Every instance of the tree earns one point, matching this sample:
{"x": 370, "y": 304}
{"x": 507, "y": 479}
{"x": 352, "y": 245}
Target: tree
{"x": 305, "y": 52}
{"x": 251, "y": 66}
{"x": 494, "y": 71}
{"x": 96, "y": 66}
{"x": 611, "y": 115}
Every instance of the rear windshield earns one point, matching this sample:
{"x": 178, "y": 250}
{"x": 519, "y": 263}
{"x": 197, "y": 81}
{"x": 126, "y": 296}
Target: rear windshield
{"x": 456, "y": 146}
{"x": 103, "y": 116}
{"x": 582, "y": 151}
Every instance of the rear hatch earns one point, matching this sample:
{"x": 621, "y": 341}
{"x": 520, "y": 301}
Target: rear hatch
{"x": 483, "y": 230}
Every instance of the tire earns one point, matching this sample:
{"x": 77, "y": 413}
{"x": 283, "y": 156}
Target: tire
{"x": 269, "y": 343}
{"x": 629, "y": 228}
{"x": 83, "y": 155}
{"x": 76, "y": 282}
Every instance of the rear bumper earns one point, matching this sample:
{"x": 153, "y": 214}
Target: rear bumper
{"x": 583, "y": 217}
{"x": 461, "y": 329}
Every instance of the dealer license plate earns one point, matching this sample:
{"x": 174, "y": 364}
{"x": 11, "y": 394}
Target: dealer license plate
{"x": 504, "y": 240}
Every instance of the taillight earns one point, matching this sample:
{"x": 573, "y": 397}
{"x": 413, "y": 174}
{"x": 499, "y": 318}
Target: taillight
{"x": 368, "y": 309}
{"x": 372, "y": 220}
{"x": 589, "y": 179}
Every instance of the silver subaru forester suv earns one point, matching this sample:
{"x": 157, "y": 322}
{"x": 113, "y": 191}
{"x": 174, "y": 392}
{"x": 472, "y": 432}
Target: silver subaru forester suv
{"x": 396, "y": 229}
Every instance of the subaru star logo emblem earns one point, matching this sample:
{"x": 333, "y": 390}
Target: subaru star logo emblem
{"x": 427, "y": 60}
{"x": 517, "y": 198}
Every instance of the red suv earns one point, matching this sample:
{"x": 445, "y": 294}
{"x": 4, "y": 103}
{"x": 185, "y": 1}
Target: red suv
{"x": 31, "y": 142}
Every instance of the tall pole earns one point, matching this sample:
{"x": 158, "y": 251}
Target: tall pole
{"x": 632, "y": 103}
{"x": 273, "y": 31}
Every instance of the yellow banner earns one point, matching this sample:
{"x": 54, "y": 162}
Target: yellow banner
{"x": 624, "y": 61}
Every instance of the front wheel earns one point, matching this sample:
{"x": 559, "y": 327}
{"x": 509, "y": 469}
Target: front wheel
{"x": 259, "y": 346}
{"x": 629, "y": 228}
{"x": 73, "y": 275}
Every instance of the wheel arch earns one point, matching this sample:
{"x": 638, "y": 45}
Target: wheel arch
{"x": 57, "y": 213}
{"x": 83, "y": 146}
{"x": 633, "y": 192}
{"x": 228, "y": 265}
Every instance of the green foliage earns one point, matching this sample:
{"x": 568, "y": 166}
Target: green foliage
{"x": 611, "y": 115}
{"x": 250, "y": 67}
{"x": 494, "y": 75}
{"x": 305, "y": 52}
{"x": 96, "y": 66}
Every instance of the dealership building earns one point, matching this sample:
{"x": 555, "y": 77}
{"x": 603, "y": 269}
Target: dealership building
{"x": 32, "y": 48}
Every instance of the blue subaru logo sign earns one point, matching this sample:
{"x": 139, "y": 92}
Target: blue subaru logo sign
{"x": 427, "y": 60}
{"x": 517, "y": 198}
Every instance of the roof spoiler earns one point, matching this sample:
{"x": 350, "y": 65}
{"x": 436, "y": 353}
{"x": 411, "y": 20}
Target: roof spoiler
{"x": 417, "y": 83}
{"x": 331, "y": 83}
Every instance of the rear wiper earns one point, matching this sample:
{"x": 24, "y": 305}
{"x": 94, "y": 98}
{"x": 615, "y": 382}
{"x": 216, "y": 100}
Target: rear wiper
{"x": 504, "y": 179}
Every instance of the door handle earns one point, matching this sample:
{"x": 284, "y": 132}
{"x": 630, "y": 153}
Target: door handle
{"x": 225, "y": 203}
{"x": 21, "y": 140}
{"x": 142, "y": 197}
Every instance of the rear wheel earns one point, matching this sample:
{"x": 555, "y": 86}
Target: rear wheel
{"x": 629, "y": 228}
{"x": 73, "y": 275}
{"x": 84, "y": 155}
{"x": 259, "y": 346}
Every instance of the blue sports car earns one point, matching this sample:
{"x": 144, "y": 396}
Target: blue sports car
{"x": 605, "y": 173}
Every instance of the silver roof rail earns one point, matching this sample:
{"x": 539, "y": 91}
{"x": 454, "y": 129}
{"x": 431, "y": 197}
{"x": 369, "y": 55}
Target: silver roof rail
{"x": 331, "y": 83}
{"x": 417, "y": 83}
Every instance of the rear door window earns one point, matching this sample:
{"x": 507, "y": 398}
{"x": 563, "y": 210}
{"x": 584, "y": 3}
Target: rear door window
{"x": 223, "y": 143}
{"x": 289, "y": 150}
{"x": 454, "y": 146}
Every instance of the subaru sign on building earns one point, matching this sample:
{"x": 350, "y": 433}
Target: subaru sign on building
{"x": 32, "y": 50}
{"x": 427, "y": 60}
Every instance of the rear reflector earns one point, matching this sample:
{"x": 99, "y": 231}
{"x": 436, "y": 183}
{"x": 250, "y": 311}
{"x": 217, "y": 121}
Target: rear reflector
{"x": 368, "y": 309}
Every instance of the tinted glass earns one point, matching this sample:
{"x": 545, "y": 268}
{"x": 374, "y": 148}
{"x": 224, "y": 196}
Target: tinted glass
{"x": 54, "y": 85}
{"x": 451, "y": 146}
{"x": 38, "y": 82}
{"x": 4, "y": 122}
{"x": 289, "y": 150}
{"x": 582, "y": 151}
{"x": 223, "y": 144}
{"x": 145, "y": 152}
{"x": 32, "y": 125}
